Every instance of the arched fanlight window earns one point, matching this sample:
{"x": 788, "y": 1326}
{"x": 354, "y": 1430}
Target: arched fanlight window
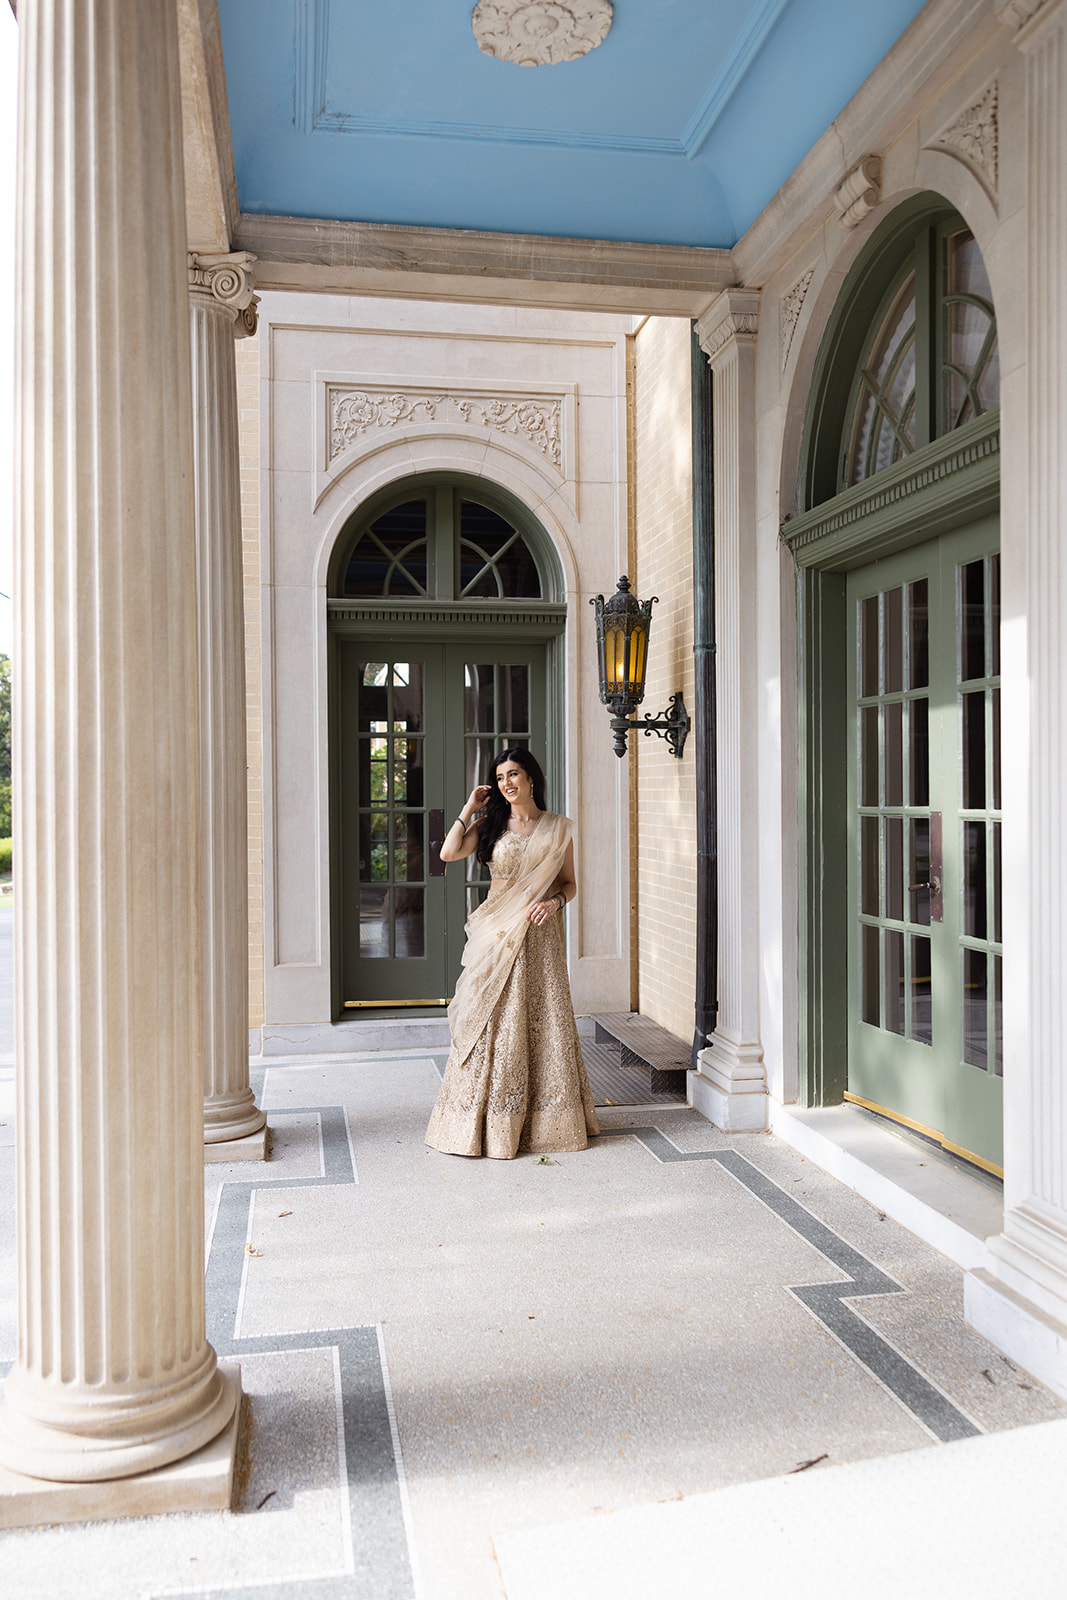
{"x": 441, "y": 544}
{"x": 929, "y": 362}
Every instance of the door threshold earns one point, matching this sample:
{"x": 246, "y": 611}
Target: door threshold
{"x": 944, "y": 1201}
{"x": 929, "y": 1136}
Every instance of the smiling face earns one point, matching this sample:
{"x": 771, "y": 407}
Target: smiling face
{"x": 513, "y": 783}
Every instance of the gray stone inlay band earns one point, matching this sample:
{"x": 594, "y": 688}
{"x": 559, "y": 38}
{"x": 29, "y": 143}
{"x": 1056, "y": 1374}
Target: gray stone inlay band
{"x": 826, "y": 1301}
{"x": 381, "y": 1557}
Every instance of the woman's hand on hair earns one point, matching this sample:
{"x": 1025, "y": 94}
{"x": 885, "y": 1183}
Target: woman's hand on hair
{"x": 479, "y": 795}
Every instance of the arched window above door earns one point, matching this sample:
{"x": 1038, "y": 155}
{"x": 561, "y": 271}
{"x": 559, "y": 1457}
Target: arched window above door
{"x": 444, "y": 542}
{"x": 911, "y": 354}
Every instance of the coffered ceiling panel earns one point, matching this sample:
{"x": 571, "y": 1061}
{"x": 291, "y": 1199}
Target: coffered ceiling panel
{"x": 676, "y": 129}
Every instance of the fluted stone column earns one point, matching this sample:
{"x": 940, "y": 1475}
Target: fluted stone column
{"x": 1021, "y": 1304}
{"x": 222, "y": 305}
{"x": 114, "y": 1375}
{"x": 730, "y": 1087}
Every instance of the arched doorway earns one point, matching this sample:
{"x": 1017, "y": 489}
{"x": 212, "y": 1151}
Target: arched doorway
{"x": 897, "y": 546}
{"x": 446, "y": 618}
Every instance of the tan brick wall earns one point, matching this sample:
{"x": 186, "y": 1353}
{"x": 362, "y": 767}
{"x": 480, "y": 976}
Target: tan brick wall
{"x": 666, "y": 788}
{"x": 248, "y": 412}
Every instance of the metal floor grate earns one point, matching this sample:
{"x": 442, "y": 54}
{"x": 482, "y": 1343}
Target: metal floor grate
{"x": 615, "y": 1085}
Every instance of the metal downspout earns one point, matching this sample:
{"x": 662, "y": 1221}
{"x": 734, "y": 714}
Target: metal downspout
{"x": 704, "y": 709}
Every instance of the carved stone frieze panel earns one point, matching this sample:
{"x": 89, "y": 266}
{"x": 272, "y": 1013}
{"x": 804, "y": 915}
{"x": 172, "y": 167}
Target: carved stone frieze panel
{"x": 789, "y": 308}
{"x": 537, "y": 420}
{"x": 972, "y": 138}
{"x": 540, "y": 33}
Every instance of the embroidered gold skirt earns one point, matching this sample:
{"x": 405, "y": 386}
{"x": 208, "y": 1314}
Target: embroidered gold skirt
{"x": 524, "y": 1086}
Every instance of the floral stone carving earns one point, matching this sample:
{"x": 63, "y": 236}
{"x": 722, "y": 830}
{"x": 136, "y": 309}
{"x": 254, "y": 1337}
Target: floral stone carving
{"x": 972, "y": 138}
{"x": 354, "y": 412}
{"x": 540, "y": 33}
{"x": 790, "y": 307}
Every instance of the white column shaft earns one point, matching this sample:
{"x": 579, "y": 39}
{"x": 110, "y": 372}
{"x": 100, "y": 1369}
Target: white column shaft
{"x": 734, "y": 1062}
{"x": 1030, "y": 1256}
{"x": 230, "y": 1110}
{"x": 114, "y": 1374}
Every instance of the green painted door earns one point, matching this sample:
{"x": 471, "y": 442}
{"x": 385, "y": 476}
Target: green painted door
{"x": 419, "y": 725}
{"x": 925, "y": 952}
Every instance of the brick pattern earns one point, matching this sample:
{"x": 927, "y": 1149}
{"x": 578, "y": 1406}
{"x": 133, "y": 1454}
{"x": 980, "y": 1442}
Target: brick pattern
{"x": 666, "y": 812}
{"x": 247, "y": 351}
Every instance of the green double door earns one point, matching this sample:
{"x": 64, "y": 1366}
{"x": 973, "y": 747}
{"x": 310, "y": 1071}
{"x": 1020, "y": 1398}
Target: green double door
{"x": 419, "y": 726}
{"x": 924, "y": 803}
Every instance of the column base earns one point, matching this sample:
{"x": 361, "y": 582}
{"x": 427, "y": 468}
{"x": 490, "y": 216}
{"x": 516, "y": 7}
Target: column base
{"x": 231, "y": 1117}
{"x": 730, "y": 1088}
{"x": 253, "y": 1147}
{"x": 1020, "y": 1303}
{"x": 1028, "y": 1335}
{"x": 203, "y": 1481}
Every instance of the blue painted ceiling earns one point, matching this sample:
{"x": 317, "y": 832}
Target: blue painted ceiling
{"x": 678, "y": 129}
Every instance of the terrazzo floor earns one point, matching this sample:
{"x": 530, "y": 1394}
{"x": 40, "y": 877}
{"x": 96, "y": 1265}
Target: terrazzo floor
{"x": 608, "y": 1373}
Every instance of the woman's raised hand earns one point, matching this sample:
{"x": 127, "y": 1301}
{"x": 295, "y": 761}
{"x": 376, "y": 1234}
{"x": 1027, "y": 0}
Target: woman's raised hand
{"x": 479, "y": 795}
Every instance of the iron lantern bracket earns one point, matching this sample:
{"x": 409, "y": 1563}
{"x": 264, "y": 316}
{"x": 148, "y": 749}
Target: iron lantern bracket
{"x": 673, "y": 725}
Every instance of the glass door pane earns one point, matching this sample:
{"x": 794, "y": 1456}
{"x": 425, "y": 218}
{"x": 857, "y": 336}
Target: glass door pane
{"x": 390, "y": 716}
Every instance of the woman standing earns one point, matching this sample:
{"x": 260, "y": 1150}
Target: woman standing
{"x": 515, "y": 1078}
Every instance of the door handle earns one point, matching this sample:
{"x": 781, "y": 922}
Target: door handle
{"x": 437, "y": 839}
{"x": 937, "y": 904}
{"x": 934, "y": 884}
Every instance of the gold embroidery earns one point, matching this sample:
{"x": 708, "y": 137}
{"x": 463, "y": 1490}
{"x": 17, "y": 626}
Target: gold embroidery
{"x": 523, "y": 1085}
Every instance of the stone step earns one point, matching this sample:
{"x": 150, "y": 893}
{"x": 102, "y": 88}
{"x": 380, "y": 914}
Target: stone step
{"x": 647, "y": 1046}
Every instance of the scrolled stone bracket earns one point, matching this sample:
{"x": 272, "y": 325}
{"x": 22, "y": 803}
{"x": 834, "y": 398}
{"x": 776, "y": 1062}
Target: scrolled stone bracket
{"x": 732, "y": 318}
{"x": 229, "y": 281}
{"x": 859, "y": 193}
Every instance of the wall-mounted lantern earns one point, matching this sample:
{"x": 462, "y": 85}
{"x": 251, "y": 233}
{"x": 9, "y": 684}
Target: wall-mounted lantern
{"x": 622, "y": 628}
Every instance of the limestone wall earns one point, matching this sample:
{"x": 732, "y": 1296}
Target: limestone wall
{"x": 666, "y": 887}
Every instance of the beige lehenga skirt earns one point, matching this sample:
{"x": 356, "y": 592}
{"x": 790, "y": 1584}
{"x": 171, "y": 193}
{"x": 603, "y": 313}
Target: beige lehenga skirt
{"x": 524, "y": 1085}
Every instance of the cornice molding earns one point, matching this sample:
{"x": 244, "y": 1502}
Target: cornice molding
{"x": 513, "y": 614}
{"x": 229, "y": 283}
{"x": 732, "y": 319}
{"x": 832, "y": 531}
{"x": 461, "y": 264}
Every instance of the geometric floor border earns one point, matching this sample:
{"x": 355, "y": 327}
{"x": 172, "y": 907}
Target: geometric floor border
{"x": 921, "y": 1398}
{"x": 382, "y": 1550}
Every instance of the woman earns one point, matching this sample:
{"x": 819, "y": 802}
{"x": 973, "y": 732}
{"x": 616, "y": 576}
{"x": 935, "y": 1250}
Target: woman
{"x": 515, "y": 1078}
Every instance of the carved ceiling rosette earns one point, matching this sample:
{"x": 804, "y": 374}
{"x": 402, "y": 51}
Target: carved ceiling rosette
{"x": 540, "y": 33}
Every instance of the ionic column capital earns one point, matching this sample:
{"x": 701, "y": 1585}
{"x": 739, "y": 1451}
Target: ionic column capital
{"x": 227, "y": 282}
{"x": 733, "y": 319}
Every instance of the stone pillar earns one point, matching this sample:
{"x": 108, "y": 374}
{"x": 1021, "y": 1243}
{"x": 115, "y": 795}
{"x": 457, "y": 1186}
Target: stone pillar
{"x": 114, "y": 1374}
{"x": 730, "y": 1087}
{"x": 222, "y": 306}
{"x": 1021, "y": 1302}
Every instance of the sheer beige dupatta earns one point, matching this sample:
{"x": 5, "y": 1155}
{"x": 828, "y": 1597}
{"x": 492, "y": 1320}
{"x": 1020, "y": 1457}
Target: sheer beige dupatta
{"x": 495, "y": 932}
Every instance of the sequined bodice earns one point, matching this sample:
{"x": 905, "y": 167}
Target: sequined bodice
{"x": 507, "y": 857}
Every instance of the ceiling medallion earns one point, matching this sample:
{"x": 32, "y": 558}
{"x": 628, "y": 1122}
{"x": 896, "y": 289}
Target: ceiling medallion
{"x": 540, "y": 33}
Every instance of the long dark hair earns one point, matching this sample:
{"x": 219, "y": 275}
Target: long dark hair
{"x": 497, "y": 809}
